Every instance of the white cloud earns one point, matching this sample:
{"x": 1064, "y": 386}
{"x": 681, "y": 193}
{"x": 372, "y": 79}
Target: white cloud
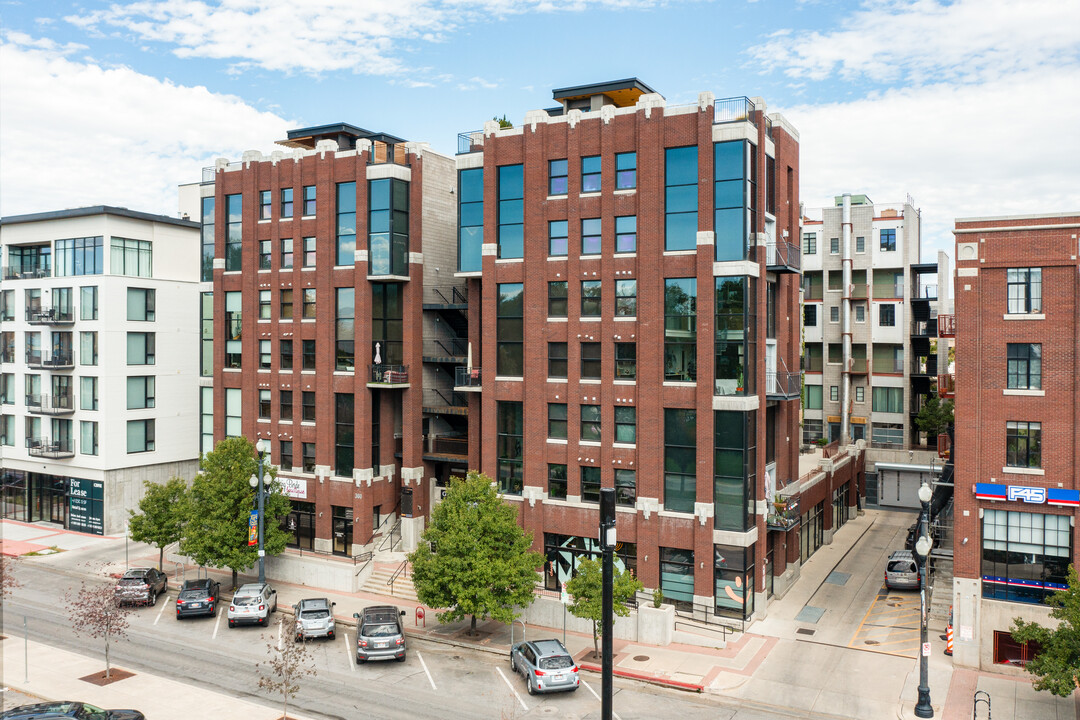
{"x": 77, "y": 133}
{"x": 931, "y": 41}
{"x": 1007, "y": 147}
{"x": 312, "y": 36}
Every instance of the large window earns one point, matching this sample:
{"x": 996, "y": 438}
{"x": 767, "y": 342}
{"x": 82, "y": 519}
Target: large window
{"x": 344, "y": 328}
{"x": 389, "y": 227}
{"x": 887, "y": 435}
{"x": 680, "y": 329}
{"x": 88, "y": 437}
{"x": 680, "y": 198}
{"x": 510, "y": 447}
{"x": 132, "y": 257}
{"x": 1025, "y": 556}
{"x": 625, "y": 424}
{"x": 888, "y": 239}
{"x": 809, "y": 243}
{"x": 590, "y": 361}
{"x": 625, "y": 170}
{"x": 286, "y": 254}
{"x": 285, "y": 406}
{"x": 234, "y": 407}
{"x": 80, "y": 256}
{"x": 511, "y": 237}
{"x": 141, "y": 392}
{"x": 626, "y": 234}
{"x": 285, "y": 355}
{"x": 557, "y": 177}
{"x": 557, "y": 298}
{"x": 1025, "y": 290}
{"x": 626, "y": 488}
{"x": 141, "y": 304}
{"x": 234, "y": 223}
{"x": 88, "y": 393}
{"x": 557, "y": 421}
{"x": 1025, "y": 366}
{"x": 140, "y": 348}
{"x": 626, "y": 298}
{"x": 1023, "y": 444}
{"x": 590, "y": 484}
{"x": 886, "y": 315}
{"x": 590, "y": 298}
{"x": 736, "y": 339}
{"x": 344, "y": 415}
{"x": 206, "y": 334}
{"x": 387, "y": 325}
{"x": 732, "y": 194}
{"x": 557, "y": 359}
{"x": 733, "y": 572}
{"x": 590, "y": 236}
{"x": 625, "y": 361}
{"x": 470, "y": 219}
{"x": 309, "y": 200}
{"x": 206, "y": 419}
{"x": 558, "y": 237}
{"x": 677, "y": 576}
{"x": 888, "y": 399}
{"x": 346, "y": 225}
{"x": 510, "y": 346}
{"x": 680, "y": 460}
{"x": 590, "y": 423}
{"x": 88, "y": 348}
{"x": 813, "y": 397}
{"x": 140, "y": 436}
{"x": 234, "y": 325}
{"x": 88, "y": 303}
{"x": 286, "y": 203}
{"x": 590, "y": 174}
{"x": 734, "y": 469}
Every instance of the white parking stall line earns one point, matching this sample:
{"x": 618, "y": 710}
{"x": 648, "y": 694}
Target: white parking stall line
{"x": 428, "y": 672}
{"x": 217, "y": 623}
{"x": 280, "y": 626}
{"x": 163, "y": 606}
{"x": 348, "y": 651}
{"x": 523, "y": 705}
{"x": 587, "y": 685}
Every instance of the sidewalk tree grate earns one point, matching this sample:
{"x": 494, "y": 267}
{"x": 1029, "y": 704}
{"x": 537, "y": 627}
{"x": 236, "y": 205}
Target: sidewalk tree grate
{"x": 838, "y": 578}
{"x": 641, "y": 658}
{"x": 810, "y": 614}
{"x": 805, "y": 631}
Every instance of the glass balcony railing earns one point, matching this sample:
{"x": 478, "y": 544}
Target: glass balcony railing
{"x": 63, "y": 404}
{"x": 46, "y": 448}
{"x": 470, "y": 142}
{"x": 50, "y": 315}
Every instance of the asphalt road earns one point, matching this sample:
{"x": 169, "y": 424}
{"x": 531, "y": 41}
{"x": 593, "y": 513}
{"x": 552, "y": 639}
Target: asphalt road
{"x": 437, "y": 681}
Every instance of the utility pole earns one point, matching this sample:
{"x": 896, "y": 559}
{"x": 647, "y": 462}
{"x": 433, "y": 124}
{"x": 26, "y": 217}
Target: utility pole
{"x": 607, "y": 545}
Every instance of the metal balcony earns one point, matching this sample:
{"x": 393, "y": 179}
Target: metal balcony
{"x": 27, "y": 272}
{"x": 946, "y": 326}
{"x": 39, "y": 360}
{"x": 924, "y": 328}
{"x": 467, "y": 379}
{"x": 858, "y": 366}
{"x": 389, "y": 376}
{"x": 54, "y": 449}
{"x": 51, "y": 404}
{"x": 50, "y": 316}
{"x": 783, "y": 384}
{"x": 783, "y": 257}
{"x": 946, "y": 386}
{"x": 441, "y": 401}
{"x": 470, "y": 142}
{"x": 446, "y": 449}
{"x": 736, "y": 109}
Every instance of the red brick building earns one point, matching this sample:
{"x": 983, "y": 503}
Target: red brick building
{"x": 1016, "y": 438}
{"x": 633, "y": 272}
{"x": 319, "y": 257}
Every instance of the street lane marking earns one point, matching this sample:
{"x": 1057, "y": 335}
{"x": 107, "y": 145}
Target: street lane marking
{"x": 523, "y": 705}
{"x": 163, "y": 606}
{"x": 348, "y": 651}
{"x": 280, "y": 625}
{"x": 428, "y": 672}
{"x": 613, "y": 713}
{"x": 217, "y": 623}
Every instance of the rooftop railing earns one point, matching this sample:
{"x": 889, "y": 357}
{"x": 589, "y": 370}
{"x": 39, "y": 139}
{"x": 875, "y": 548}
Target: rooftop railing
{"x": 735, "y": 109}
{"x": 468, "y": 142}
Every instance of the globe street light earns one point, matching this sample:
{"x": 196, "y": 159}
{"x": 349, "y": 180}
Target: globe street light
{"x": 261, "y": 447}
{"x": 923, "y": 709}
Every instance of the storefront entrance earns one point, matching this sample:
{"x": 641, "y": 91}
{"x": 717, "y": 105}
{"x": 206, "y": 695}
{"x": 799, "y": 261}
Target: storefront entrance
{"x": 74, "y": 503}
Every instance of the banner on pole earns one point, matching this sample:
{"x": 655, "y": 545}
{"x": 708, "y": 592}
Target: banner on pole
{"x": 253, "y": 528}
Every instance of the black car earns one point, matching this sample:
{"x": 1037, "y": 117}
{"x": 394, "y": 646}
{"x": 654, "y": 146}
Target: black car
{"x": 141, "y": 586}
{"x": 198, "y": 597}
{"x": 68, "y": 709}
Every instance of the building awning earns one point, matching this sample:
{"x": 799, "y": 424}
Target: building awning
{"x": 908, "y": 467}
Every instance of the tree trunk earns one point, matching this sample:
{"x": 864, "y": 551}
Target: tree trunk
{"x": 108, "y": 673}
{"x": 285, "y": 714}
{"x": 472, "y": 629}
{"x": 595, "y": 638}
{"x": 161, "y": 559}
{"x": 234, "y": 579}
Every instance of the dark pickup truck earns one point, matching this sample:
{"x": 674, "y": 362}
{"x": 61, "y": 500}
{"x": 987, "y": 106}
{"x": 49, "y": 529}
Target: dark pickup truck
{"x": 141, "y": 586}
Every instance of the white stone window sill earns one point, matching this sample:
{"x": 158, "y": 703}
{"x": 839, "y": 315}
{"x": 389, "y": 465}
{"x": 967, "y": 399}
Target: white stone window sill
{"x": 557, "y": 441}
{"x": 626, "y": 191}
{"x": 557, "y": 380}
{"x": 557, "y": 319}
{"x": 507, "y": 261}
{"x": 557, "y": 197}
{"x": 589, "y": 195}
{"x": 626, "y": 318}
{"x": 509, "y": 378}
{"x": 589, "y": 318}
{"x": 625, "y": 446}
{"x": 680, "y": 252}
{"x": 625, "y": 255}
{"x": 553, "y": 258}
{"x": 1024, "y": 316}
{"x": 1024, "y": 393}
{"x": 589, "y": 443}
{"x": 1023, "y": 471}
{"x": 589, "y": 381}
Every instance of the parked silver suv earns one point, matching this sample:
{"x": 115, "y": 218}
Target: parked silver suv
{"x": 252, "y": 603}
{"x": 901, "y": 571}
{"x": 314, "y": 618}
{"x": 379, "y": 634}
{"x": 546, "y": 666}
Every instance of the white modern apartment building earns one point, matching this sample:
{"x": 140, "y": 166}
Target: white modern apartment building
{"x": 99, "y": 350}
{"x": 870, "y": 331}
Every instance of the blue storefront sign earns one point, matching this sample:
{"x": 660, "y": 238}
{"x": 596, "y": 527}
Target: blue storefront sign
{"x": 1027, "y": 494}
{"x": 86, "y": 502}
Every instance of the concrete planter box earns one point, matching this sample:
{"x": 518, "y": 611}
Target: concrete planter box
{"x": 548, "y": 612}
{"x": 655, "y": 626}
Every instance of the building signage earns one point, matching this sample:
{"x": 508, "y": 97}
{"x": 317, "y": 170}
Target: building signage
{"x": 86, "y": 503}
{"x": 295, "y": 488}
{"x": 1028, "y": 494}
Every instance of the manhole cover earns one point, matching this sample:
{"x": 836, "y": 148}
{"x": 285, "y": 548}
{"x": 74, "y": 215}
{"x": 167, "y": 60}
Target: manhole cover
{"x": 804, "y": 631}
{"x": 871, "y": 642}
{"x": 641, "y": 658}
{"x": 893, "y": 604}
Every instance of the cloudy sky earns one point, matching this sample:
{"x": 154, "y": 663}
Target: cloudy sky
{"x": 971, "y": 107}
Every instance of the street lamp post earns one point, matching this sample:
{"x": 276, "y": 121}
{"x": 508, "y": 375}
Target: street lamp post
{"x": 607, "y": 546}
{"x": 923, "y": 709}
{"x": 257, "y": 482}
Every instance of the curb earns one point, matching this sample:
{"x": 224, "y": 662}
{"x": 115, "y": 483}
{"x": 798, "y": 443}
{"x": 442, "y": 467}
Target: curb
{"x": 677, "y": 684}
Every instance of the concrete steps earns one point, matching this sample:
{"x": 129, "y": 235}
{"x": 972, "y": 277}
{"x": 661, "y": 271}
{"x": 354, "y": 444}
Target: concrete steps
{"x": 377, "y": 583}
{"x": 942, "y": 597}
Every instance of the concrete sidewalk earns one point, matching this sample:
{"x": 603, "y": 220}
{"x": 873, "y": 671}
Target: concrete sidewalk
{"x": 771, "y": 664}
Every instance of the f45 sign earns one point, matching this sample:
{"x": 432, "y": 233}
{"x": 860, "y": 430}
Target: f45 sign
{"x": 1035, "y": 495}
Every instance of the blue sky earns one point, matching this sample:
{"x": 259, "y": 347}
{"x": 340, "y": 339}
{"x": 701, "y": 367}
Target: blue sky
{"x": 971, "y": 107}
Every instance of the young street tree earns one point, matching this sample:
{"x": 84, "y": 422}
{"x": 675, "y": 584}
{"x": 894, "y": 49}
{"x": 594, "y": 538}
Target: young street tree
{"x": 586, "y": 588}
{"x": 1056, "y": 665}
{"x": 219, "y": 506}
{"x": 161, "y": 521}
{"x": 289, "y": 662}
{"x": 94, "y": 612}
{"x": 482, "y": 565}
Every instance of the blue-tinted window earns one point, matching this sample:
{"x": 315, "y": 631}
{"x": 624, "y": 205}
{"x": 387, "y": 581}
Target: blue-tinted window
{"x": 388, "y": 227}
{"x": 625, "y": 171}
{"x": 346, "y": 223}
{"x": 730, "y": 199}
{"x": 309, "y": 200}
{"x": 626, "y": 234}
{"x": 590, "y": 173}
{"x": 680, "y": 329}
{"x": 234, "y": 234}
{"x": 511, "y": 211}
{"x": 557, "y": 233}
{"x": 590, "y": 236}
{"x": 888, "y": 239}
{"x": 470, "y": 219}
{"x": 207, "y": 266}
{"x": 557, "y": 173}
{"x": 680, "y": 198}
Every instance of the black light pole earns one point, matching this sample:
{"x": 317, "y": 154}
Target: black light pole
{"x": 923, "y": 709}
{"x": 257, "y": 482}
{"x": 607, "y": 545}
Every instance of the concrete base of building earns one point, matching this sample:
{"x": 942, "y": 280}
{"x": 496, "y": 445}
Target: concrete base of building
{"x": 782, "y": 583}
{"x": 411, "y": 529}
{"x": 975, "y": 621}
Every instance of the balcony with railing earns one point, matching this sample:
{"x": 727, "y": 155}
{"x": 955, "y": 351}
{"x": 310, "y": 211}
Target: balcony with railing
{"x": 888, "y": 291}
{"x": 470, "y": 142}
{"x": 446, "y": 349}
{"x": 813, "y": 363}
{"x": 442, "y": 401}
{"x": 783, "y": 384}
{"x": 389, "y": 376}
{"x": 446, "y": 448}
{"x": 50, "y": 315}
{"x": 860, "y": 291}
{"x": 43, "y": 447}
{"x": 27, "y": 271}
{"x": 782, "y": 256}
{"x": 926, "y": 291}
{"x": 467, "y": 379}
{"x": 858, "y": 366}
{"x": 946, "y": 326}
{"x": 924, "y": 328}
{"x": 734, "y": 109}
{"x": 924, "y": 365}
{"x": 63, "y": 404}
{"x": 946, "y": 386}
{"x": 41, "y": 360}
{"x": 784, "y": 514}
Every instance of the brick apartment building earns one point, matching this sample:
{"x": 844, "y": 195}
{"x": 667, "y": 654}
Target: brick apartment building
{"x": 319, "y": 256}
{"x": 633, "y": 272}
{"x": 1017, "y": 430}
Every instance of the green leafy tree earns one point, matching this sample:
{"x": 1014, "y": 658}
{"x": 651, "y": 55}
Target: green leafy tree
{"x": 475, "y": 559}
{"x": 935, "y": 417}
{"x": 219, "y": 506}
{"x": 161, "y": 521}
{"x": 586, "y": 588}
{"x": 1056, "y": 664}
{"x": 503, "y": 122}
